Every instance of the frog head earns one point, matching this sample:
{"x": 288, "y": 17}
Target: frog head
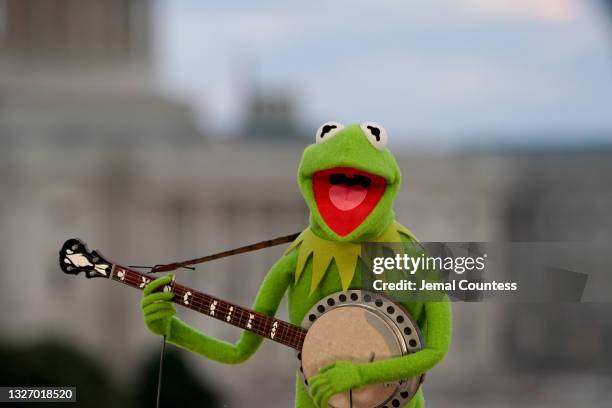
{"x": 349, "y": 180}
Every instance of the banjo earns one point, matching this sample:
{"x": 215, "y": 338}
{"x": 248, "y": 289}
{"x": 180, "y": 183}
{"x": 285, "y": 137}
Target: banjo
{"x": 357, "y": 326}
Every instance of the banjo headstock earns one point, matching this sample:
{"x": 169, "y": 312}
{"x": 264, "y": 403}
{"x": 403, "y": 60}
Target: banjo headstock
{"x": 75, "y": 257}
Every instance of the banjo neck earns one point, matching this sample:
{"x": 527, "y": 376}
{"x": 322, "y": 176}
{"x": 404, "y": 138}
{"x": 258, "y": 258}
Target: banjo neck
{"x": 75, "y": 258}
{"x": 247, "y": 319}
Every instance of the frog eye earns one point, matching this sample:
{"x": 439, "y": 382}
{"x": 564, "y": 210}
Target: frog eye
{"x": 327, "y": 131}
{"x": 376, "y": 134}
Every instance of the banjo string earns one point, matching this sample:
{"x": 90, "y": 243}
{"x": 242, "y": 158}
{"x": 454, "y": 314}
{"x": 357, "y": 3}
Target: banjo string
{"x": 262, "y": 327}
{"x": 188, "y": 265}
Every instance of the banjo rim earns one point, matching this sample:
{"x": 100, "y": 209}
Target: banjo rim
{"x": 394, "y": 315}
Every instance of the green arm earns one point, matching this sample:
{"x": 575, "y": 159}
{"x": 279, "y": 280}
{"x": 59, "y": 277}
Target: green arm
{"x": 437, "y": 333}
{"x": 342, "y": 375}
{"x": 161, "y": 321}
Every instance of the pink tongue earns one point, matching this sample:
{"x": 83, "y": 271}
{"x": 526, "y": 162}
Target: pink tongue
{"x": 346, "y": 198}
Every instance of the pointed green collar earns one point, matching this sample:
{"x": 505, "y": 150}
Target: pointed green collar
{"x": 344, "y": 254}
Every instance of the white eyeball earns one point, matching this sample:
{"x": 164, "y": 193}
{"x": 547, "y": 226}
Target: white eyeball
{"x": 327, "y": 131}
{"x": 376, "y": 134}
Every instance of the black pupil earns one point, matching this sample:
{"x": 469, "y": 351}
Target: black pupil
{"x": 375, "y": 131}
{"x": 327, "y": 128}
{"x": 356, "y": 180}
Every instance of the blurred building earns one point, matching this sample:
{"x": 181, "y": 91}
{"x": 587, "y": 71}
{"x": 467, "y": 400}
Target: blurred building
{"x": 79, "y": 73}
{"x": 172, "y": 195}
{"x": 223, "y": 196}
{"x": 271, "y": 117}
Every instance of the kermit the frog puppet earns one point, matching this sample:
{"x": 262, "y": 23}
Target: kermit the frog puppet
{"x": 349, "y": 180}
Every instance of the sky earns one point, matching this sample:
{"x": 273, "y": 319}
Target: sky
{"x": 441, "y": 72}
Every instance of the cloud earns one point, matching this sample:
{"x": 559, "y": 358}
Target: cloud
{"x": 446, "y": 67}
{"x": 540, "y": 10}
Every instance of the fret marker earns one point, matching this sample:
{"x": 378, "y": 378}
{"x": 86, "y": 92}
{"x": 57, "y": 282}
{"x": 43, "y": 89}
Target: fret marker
{"x": 168, "y": 288}
{"x": 274, "y": 327}
{"x": 144, "y": 281}
{"x": 229, "y": 314}
{"x": 213, "y": 306}
{"x": 251, "y": 317}
{"x": 186, "y": 297}
{"x": 121, "y": 275}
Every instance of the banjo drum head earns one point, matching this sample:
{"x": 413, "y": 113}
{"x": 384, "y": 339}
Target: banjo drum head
{"x": 359, "y": 332}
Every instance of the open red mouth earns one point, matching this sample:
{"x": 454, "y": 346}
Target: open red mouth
{"x": 346, "y": 196}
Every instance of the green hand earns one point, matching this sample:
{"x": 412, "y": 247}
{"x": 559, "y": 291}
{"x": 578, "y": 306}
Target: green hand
{"x": 334, "y": 379}
{"x": 157, "y": 308}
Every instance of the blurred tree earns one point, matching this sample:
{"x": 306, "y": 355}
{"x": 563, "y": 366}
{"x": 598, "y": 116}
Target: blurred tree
{"x": 180, "y": 385}
{"x": 50, "y": 363}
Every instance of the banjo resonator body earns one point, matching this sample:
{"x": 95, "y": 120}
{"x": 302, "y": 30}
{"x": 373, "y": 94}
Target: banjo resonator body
{"x": 360, "y": 327}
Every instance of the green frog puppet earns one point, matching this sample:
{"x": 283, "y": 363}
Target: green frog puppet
{"x": 349, "y": 180}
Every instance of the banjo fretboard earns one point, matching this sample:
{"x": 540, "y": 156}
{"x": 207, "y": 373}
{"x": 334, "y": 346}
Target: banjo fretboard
{"x": 250, "y": 320}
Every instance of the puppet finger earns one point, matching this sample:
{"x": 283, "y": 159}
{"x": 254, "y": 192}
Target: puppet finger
{"x": 154, "y": 307}
{"x": 317, "y": 383}
{"x": 327, "y": 368}
{"x": 325, "y": 399}
{"x": 320, "y": 395}
{"x": 158, "y": 316}
{"x": 157, "y": 283}
{"x": 156, "y": 297}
